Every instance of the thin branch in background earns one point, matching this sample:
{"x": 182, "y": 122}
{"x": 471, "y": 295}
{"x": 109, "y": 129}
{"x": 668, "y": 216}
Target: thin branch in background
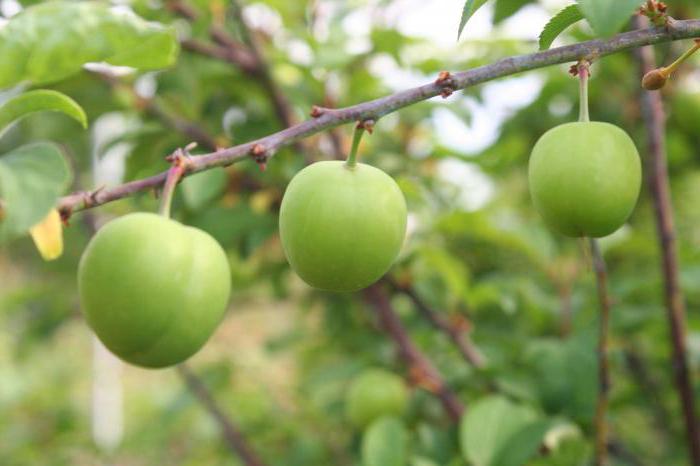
{"x": 420, "y": 366}
{"x": 456, "y": 333}
{"x": 189, "y": 129}
{"x": 234, "y": 438}
{"x": 264, "y": 148}
{"x": 637, "y": 367}
{"x": 601, "y": 412}
{"x": 657, "y": 179}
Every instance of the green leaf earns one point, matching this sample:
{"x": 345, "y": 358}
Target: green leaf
{"x": 202, "y": 188}
{"x": 523, "y": 445}
{"x": 385, "y": 443}
{"x": 506, "y": 8}
{"x": 41, "y": 100}
{"x": 51, "y": 41}
{"x": 31, "y": 179}
{"x": 487, "y": 427}
{"x": 607, "y": 17}
{"x": 559, "y": 22}
{"x": 470, "y": 7}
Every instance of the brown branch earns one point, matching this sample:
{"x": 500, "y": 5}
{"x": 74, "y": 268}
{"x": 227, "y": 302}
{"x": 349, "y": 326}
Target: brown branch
{"x": 187, "y": 128}
{"x": 455, "y": 333}
{"x": 638, "y": 369}
{"x": 235, "y": 56}
{"x": 374, "y": 109}
{"x": 601, "y": 412}
{"x": 420, "y": 366}
{"x": 235, "y": 440}
{"x": 657, "y": 179}
{"x": 283, "y": 108}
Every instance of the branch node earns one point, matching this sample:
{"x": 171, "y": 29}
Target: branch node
{"x": 420, "y": 378}
{"x": 367, "y": 125}
{"x": 181, "y": 157}
{"x": 446, "y": 81}
{"x": 317, "y": 111}
{"x": 260, "y": 155}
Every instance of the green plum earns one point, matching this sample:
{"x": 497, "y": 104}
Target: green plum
{"x": 342, "y": 226}
{"x": 373, "y": 394}
{"x": 152, "y": 289}
{"x": 585, "y": 178}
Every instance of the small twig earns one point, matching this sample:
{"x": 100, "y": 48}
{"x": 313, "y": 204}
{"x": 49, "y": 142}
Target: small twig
{"x": 234, "y": 438}
{"x": 657, "y": 179}
{"x": 653, "y": 392}
{"x": 601, "y": 412}
{"x": 377, "y": 108}
{"x": 419, "y": 365}
{"x": 459, "y": 338}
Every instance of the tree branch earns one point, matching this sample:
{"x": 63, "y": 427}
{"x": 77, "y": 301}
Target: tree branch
{"x": 601, "y": 412}
{"x": 235, "y": 440}
{"x": 419, "y": 364}
{"x": 264, "y": 148}
{"x": 657, "y": 179}
{"x": 459, "y": 338}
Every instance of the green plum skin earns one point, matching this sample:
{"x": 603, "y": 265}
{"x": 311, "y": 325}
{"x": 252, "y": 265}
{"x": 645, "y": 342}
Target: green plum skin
{"x": 373, "y": 394}
{"x": 342, "y": 227}
{"x": 585, "y": 178}
{"x": 153, "y": 290}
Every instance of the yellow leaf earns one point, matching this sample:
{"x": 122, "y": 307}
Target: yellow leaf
{"x": 48, "y": 236}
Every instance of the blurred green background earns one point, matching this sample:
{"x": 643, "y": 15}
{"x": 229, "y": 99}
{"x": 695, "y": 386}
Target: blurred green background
{"x": 477, "y": 253}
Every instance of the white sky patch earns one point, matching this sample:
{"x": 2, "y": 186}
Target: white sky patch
{"x": 146, "y": 85}
{"x": 501, "y": 99}
{"x": 437, "y": 20}
{"x": 299, "y": 52}
{"x": 262, "y": 17}
{"x": 475, "y": 189}
{"x": 9, "y": 8}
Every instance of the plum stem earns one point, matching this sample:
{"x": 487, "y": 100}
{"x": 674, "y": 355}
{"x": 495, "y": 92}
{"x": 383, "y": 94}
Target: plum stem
{"x": 668, "y": 70}
{"x": 583, "y": 74}
{"x": 352, "y": 158}
{"x": 179, "y": 165}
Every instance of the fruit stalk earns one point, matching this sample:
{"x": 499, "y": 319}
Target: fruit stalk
{"x": 177, "y": 170}
{"x": 601, "y": 423}
{"x": 583, "y": 74}
{"x": 357, "y": 137}
{"x": 673, "y": 66}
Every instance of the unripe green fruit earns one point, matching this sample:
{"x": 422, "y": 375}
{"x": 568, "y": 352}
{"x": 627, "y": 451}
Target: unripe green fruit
{"x": 152, "y": 289}
{"x": 342, "y": 227}
{"x": 585, "y": 178}
{"x": 373, "y": 394}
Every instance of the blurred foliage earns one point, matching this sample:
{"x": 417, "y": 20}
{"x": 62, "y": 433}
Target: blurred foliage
{"x": 282, "y": 361}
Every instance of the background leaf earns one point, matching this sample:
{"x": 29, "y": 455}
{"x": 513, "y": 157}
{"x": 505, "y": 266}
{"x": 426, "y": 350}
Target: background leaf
{"x": 559, "y": 22}
{"x": 51, "y": 41}
{"x": 506, "y": 8}
{"x": 31, "y": 179}
{"x": 607, "y": 17}
{"x": 488, "y": 425}
{"x": 202, "y": 188}
{"x": 470, "y": 7}
{"x": 385, "y": 443}
{"x": 40, "y": 100}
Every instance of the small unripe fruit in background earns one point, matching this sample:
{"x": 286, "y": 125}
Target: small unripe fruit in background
{"x": 153, "y": 290}
{"x": 342, "y": 226}
{"x": 655, "y": 79}
{"x": 373, "y": 394}
{"x": 585, "y": 178}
